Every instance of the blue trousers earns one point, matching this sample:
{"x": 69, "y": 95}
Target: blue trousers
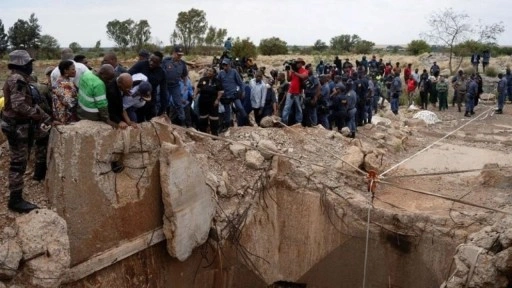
{"x": 394, "y": 105}
{"x": 501, "y": 101}
{"x": 310, "y": 116}
{"x": 241, "y": 114}
{"x": 352, "y": 119}
{"x": 175, "y": 101}
{"x": 290, "y": 100}
{"x": 470, "y": 103}
{"x": 323, "y": 119}
{"x": 509, "y": 92}
{"x": 368, "y": 113}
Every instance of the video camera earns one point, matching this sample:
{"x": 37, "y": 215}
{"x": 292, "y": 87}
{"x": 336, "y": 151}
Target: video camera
{"x": 290, "y": 64}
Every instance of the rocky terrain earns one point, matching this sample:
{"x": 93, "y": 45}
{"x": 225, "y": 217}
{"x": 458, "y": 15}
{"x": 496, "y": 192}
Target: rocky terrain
{"x": 247, "y": 167}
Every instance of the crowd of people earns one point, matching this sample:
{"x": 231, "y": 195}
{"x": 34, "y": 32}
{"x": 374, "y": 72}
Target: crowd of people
{"x": 334, "y": 96}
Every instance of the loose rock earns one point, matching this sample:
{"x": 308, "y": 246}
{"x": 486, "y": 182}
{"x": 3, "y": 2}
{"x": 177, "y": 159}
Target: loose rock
{"x": 10, "y": 256}
{"x": 253, "y": 159}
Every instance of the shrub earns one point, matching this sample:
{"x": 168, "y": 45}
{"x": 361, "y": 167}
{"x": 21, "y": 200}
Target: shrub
{"x": 273, "y": 46}
{"x": 491, "y": 71}
{"x": 244, "y": 48}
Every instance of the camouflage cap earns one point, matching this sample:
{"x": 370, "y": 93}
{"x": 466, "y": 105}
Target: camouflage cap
{"x": 20, "y": 58}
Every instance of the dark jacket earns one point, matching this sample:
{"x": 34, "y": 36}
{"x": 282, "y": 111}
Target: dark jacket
{"x": 156, "y": 78}
{"x": 115, "y": 102}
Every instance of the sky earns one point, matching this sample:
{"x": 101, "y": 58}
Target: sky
{"x": 298, "y": 22}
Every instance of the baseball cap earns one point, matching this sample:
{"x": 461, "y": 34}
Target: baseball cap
{"x": 20, "y": 58}
{"x": 226, "y": 61}
{"x": 178, "y": 49}
{"x": 145, "y": 89}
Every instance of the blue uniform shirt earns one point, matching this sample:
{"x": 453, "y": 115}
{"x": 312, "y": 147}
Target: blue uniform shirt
{"x": 231, "y": 80}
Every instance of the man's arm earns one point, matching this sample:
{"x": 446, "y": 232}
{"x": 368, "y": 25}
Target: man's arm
{"x": 185, "y": 70}
{"x": 136, "y": 68}
{"x": 240, "y": 83}
{"x": 318, "y": 93}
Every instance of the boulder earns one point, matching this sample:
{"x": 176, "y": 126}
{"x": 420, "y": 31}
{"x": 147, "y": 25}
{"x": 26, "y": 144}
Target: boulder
{"x": 484, "y": 238}
{"x": 354, "y": 156}
{"x": 254, "y": 159}
{"x": 345, "y": 131}
{"x": 44, "y": 241}
{"x": 414, "y": 122}
{"x": 389, "y": 115}
{"x": 188, "y": 203}
{"x": 237, "y": 149}
{"x": 10, "y": 256}
{"x": 378, "y": 136}
{"x": 372, "y": 161}
{"x": 504, "y": 261}
{"x": 269, "y": 121}
{"x": 267, "y": 145}
{"x": 377, "y": 120}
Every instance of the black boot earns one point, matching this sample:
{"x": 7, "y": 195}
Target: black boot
{"x": 467, "y": 114}
{"x": 202, "y": 125}
{"x": 214, "y": 127}
{"x": 499, "y": 111}
{"x": 17, "y": 204}
{"x": 352, "y": 135}
{"x": 472, "y": 112}
{"x": 39, "y": 171}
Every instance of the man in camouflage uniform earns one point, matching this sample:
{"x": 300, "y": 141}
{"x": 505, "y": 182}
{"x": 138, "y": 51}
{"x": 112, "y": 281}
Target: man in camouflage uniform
{"x": 21, "y": 123}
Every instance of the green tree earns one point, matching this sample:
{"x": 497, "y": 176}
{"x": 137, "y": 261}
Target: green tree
{"x": 468, "y": 47}
{"x": 4, "y": 39}
{"x": 450, "y": 28}
{"x": 320, "y": 46}
{"x": 25, "y": 34}
{"x": 244, "y": 48}
{"x": 273, "y": 46}
{"x": 190, "y": 28}
{"x": 48, "y": 47}
{"x": 141, "y": 34}
{"x": 417, "y": 47}
{"x": 119, "y": 32}
{"x": 209, "y": 39}
{"x": 219, "y": 36}
{"x": 174, "y": 39}
{"x": 363, "y": 47}
{"x": 75, "y": 47}
{"x": 344, "y": 42}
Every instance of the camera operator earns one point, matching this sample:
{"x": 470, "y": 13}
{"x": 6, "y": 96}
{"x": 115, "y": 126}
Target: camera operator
{"x": 295, "y": 75}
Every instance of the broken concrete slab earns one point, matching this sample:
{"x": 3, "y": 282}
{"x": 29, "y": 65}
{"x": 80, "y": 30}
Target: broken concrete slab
{"x": 103, "y": 208}
{"x": 188, "y": 202}
{"x": 45, "y": 245}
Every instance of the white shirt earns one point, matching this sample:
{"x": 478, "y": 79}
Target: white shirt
{"x": 79, "y": 67}
{"x": 258, "y": 94}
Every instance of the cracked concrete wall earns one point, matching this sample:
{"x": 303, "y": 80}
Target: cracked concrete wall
{"x": 102, "y": 208}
